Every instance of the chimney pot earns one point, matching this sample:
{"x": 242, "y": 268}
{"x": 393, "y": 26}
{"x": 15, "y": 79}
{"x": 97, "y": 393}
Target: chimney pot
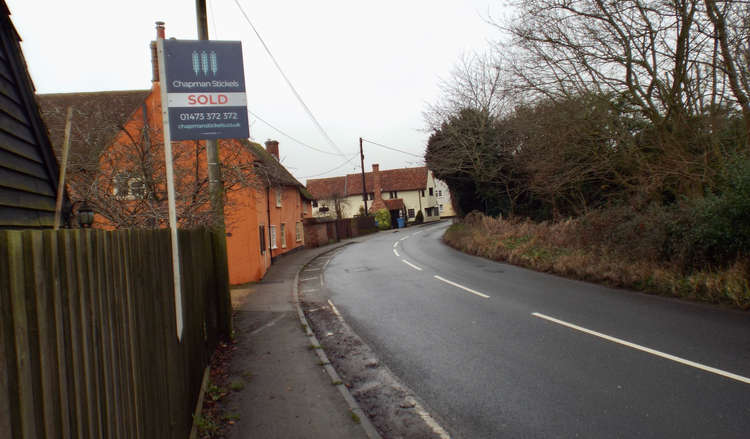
{"x": 160, "y": 30}
{"x": 154, "y": 56}
{"x": 272, "y": 146}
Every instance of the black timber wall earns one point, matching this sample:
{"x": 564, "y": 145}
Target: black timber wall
{"x": 28, "y": 168}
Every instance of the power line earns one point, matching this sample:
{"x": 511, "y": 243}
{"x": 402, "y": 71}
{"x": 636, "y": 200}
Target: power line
{"x": 331, "y": 170}
{"x": 392, "y": 148}
{"x": 289, "y": 83}
{"x": 290, "y": 137}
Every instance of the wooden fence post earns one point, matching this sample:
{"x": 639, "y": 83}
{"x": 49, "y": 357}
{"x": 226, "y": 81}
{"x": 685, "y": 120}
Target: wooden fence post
{"x": 221, "y": 274}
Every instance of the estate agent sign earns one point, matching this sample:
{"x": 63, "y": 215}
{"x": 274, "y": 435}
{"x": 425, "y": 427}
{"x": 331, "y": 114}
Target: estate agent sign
{"x": 205, "y": 85}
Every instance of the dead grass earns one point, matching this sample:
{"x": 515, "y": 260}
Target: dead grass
{"x": 564, "y": 248}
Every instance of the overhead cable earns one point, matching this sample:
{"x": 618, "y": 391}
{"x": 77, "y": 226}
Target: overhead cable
{"x": 392, "y": 148}
{"x": 337, "y": 167}
{"x": 289, "y": 83}
{"x": 290, "y": 137}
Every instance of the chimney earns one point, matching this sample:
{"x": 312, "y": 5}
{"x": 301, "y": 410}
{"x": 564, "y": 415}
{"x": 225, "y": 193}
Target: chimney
{"x": 154, "y": 57}
{"x": 272, "y": 146}
{"x": 376, "y": 182}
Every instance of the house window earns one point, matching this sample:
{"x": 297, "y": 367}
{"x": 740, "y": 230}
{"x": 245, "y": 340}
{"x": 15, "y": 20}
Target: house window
{"x": 128, "y": 186}
{"x": 273, "y": 238}
{"x": 431, "y": 192}
{"x": 262, "y": 232}
{"x": 283, "y": 235}
{"x": 298, "y": 232}
{"x": 439, "y": 193}
{"x": 441, "y": 208}
{"x": 422, "y": 193}
{"x": 411, "y": 213}
{"x": 393, "y": 194}
{"x": 278, "y": 197}
{"x": 371, "y": 196}
{"x": 315, "y": 203}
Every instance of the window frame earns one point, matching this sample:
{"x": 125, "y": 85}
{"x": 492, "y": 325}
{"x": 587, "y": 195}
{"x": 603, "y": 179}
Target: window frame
{"x": 274, "y": 237}
{"x": 278, "y": 197}
{"x": 298, "y": 231}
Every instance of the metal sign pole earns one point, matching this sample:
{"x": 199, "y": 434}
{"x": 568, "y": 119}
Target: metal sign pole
{"x": 170, "y": 190}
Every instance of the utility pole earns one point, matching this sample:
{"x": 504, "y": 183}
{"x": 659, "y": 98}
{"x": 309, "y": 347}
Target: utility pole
{"x": 216, "y": 194}
{"x": 362, "y": 163}
{"x": 215, "y": 185}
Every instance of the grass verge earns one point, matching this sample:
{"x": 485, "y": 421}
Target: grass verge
{"x": 559, "y": 248}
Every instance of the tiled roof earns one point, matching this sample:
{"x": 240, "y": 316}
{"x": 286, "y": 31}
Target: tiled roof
{"x": 393, "y": 204}
{"x": 276, "y": 173}
{"x": 97, "y": 118}
{"x": 403, "y": 179}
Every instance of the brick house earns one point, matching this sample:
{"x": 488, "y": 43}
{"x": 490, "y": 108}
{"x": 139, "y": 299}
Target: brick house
{"x": 117, "y": 167}
{"x": 403, "y": 191}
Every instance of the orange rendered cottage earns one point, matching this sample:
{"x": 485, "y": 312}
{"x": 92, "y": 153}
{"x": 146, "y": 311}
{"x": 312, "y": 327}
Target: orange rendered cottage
{"x": 116, "y": 166}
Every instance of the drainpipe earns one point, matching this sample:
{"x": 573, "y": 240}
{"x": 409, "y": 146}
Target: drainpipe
{"x": 268, "y": 212}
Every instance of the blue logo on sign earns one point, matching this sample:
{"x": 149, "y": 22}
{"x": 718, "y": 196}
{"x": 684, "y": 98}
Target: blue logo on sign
{"x": 203, "y": 62}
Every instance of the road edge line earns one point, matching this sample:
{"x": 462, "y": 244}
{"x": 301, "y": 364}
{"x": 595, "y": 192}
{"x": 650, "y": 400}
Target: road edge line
{"x": 645, "y": 349}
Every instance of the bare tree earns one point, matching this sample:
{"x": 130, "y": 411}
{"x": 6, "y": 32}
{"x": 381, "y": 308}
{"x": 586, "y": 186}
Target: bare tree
{"x": 128, "y": 187}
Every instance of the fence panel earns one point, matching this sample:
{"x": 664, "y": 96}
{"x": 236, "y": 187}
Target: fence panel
{"x": 87, "y": 332}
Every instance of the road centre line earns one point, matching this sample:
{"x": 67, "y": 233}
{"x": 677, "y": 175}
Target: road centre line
{"x": 308, "y": 278}
{"x": 395, "y": 252}
{"x": 395, "y": 244}
{"x": 462, "y": 287}
{"x": 703, "y": 367}
{"x": 411, "y": 265}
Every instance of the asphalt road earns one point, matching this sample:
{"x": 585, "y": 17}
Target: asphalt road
{"x": 499, "y": 351}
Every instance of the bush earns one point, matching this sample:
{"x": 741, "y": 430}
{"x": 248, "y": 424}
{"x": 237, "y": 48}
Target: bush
{"x": 383, "y": 219}
{"x": 716, "y": 228}
{"x": 419, "y": 219}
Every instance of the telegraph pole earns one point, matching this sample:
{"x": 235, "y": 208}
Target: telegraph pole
{"x": 362, "y": 163}
{"x": 215, "y": 185}
{"x": 216, "y": 194}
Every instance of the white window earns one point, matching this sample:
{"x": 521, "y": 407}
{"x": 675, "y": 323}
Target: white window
{"x": 439, "y": 193}
{"x": 441, "y": 208}
{"x": 298, "y": 232}
{"x": 273, "y": 237}
{"x": 128, "y": 186}
{"x": 278, "y": 197}
{"x": 411, "y": 213}
{"x": 283, "y": 235}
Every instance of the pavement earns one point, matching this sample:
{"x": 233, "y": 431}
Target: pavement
{"x": 288, "y": 392}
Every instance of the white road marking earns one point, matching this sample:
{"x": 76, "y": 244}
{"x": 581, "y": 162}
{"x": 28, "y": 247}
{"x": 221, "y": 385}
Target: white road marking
{"x": 403, "y": 238}
{"x": 309, "y": 291}
{"x": 725, "y": 374}
{"x": 312, "y": 269}
{"x": 395, "y": 244}
{"x": 308, "y": 278}
{"x": 411, "y": 265}
{"x": 462, "y": 287}
{"x": 395, "y": 252}
{"x": 442, "y": 434}
{"x": 333, "y": 307}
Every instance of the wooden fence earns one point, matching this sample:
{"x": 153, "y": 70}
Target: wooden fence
{"x": 88, "y": 346}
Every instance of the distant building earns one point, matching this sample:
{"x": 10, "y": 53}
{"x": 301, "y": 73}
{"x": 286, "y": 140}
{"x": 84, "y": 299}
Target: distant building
{"x": 445, "y": 203}
{"x": 404, "y": 192}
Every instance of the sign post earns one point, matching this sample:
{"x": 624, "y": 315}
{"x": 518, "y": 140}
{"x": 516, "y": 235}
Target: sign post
{"x": 203, "y": 97}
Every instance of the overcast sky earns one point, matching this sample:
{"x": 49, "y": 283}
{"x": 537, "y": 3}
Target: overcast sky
{"x": 365, "y": 69}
